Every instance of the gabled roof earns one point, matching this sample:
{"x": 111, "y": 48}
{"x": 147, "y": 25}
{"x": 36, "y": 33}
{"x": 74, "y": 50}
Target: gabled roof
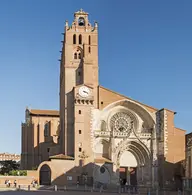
{"x": 102, "y": 160}
{"x": 180, "y": 129}
{"x": 61, "y": 156}
{"x": 127, "y": 97}
{"x": 78, "y": 86}
{"x": 35, "y": 112}
{"x": 145, "y": 105}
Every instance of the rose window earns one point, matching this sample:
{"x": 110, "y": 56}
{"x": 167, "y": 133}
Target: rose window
{"x": 121, "y": 122}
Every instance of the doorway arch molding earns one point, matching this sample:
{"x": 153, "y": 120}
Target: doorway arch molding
{"x": 45, "y": 175}
{"x": 135, "y": 107}
{"x": 139, "y": 150}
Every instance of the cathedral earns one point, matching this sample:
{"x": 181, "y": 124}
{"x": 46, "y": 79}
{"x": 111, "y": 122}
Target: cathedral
{"x": 98, "y": 135}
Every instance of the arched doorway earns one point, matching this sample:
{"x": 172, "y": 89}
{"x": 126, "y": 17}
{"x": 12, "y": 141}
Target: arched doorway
{"x": 134, "y": 163}
{"x": 128, "y": 168}
{"x": 45, "y": 175}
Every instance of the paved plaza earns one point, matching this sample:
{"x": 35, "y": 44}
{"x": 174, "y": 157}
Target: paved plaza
{"x": 75, "y": 193}
{"x": 51, "y": 193}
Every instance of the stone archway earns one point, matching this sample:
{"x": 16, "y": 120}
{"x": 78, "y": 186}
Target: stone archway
{"x": 128, "y": 164}
{"x": 133, "y": 160}
{"x": 45, "y": 175}
{"x": 135, "y": 107}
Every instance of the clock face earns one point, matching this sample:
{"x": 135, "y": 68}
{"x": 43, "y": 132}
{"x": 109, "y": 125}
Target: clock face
{"x": 84, "y": 91}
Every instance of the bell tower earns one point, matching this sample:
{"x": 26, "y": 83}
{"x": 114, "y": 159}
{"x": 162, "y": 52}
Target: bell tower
{"x": 79, "y": 66}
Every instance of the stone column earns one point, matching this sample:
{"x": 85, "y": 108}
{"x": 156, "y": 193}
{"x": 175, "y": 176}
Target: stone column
{"x": 146, "y": 171}
{"x": 128, "y": 175}
{"x": 142, "y": 173}
{"x": 154, "y": 159}
{"x": 115, "y": 174}
{"x": 139, "y": 174}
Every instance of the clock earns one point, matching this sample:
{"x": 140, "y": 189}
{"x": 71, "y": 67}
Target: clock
{"x": 84, "y": 91}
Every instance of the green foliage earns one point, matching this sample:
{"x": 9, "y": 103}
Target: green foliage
{"x": 18, "y": 173}
{"x": 7, "y": 166}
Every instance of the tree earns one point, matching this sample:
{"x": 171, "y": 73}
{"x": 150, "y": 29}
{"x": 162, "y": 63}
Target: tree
{"x": 7, "y": 166}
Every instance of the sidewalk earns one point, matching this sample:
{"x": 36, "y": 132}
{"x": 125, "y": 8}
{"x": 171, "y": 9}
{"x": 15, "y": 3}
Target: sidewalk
{"x": 73, "y": 189}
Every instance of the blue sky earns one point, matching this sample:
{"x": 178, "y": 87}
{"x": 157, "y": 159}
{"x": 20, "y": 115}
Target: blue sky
{"x": 145, "y": 52}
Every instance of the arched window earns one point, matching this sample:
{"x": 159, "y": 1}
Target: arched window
{"x": 80, "y": 39}
{"x": 89, "y": 40}
{"x": 74, "y": 39}
{"x": 81, "y": 21}
{"x": 89, "y": 49}
{"x": 47, "y": 129}
{"x": 79, "y": 55}
{"x": 75, "y": 55}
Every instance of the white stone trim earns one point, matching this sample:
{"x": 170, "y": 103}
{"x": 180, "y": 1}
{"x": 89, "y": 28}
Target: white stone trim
{"x": 165, "y": 133}
{"x": 114, "y": 104}
{"x": 92, "y": 129}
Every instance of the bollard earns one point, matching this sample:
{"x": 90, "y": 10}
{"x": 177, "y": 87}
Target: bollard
{"x": 138, "y": 192}
{"x": 134, "y": 190}
{"x": 65, "y": 188}
{"x": 28, "y": 187}
{"x": 119, "y": 189}
{"x": 101, "y": 188}
{"x": 19, "y": 187}
{"x": 55, "y": 187}
{"x": 85, "y": 187}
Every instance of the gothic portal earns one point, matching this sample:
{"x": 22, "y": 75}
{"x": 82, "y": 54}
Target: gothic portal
{"x": 104, "y": 136}
{"x": 120, "y": 132}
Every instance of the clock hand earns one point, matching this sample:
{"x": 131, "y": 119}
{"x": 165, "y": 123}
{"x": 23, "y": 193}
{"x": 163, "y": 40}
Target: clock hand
{"x": 85, "y": 91}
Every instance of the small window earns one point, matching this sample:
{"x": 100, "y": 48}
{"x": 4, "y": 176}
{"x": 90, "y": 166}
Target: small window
{"x": 101, "y": 102}
{"x": 80, "y": 39}
{"x": 89, "y": 49}
{"x": 47, "y": 129}
{"x": 75, "y": 55}
{"x": 79, "y": 73}
{"x": 74, "y": 39}
{"x": 89, "y": 40}
{"x": 80, "y": 149}
{"x": 79, "y": 55}
{"x": 79, "y": 111}
{"x": 79, "y": 131}
{"x": 48, "y": 149}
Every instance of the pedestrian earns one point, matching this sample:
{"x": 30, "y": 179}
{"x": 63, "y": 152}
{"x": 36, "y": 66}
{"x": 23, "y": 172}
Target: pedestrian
{"x": 15, "y": 183}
